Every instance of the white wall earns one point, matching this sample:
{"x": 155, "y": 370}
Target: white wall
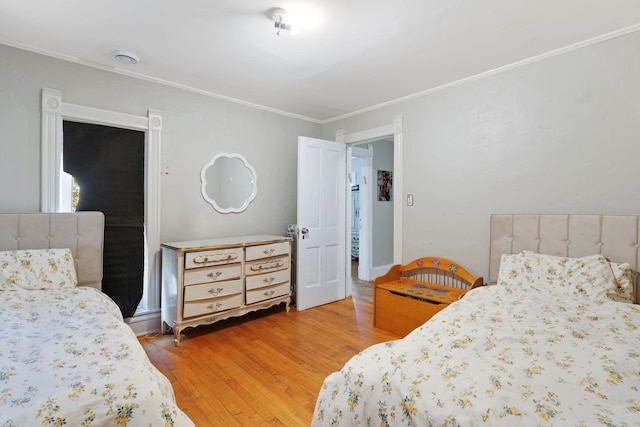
{"x": 195, "y": 128}
{"x": 555, "y": 136}
{"x": 382, "y": 212}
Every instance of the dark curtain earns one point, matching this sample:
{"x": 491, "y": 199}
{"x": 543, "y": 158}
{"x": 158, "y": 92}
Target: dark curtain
{"x": 108, "y": 164}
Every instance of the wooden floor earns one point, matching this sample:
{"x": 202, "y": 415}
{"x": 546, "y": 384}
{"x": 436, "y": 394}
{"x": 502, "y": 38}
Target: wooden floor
{"x": 266, "y": 368}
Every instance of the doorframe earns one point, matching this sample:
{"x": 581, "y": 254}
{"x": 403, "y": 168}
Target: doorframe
{"x": 365, "y": 154}
{"x": 394, "y": 129}
{"x": 54, "y": 111}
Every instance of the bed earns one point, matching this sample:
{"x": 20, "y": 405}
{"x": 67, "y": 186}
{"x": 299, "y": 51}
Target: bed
{"x": 555, "y": 341}
{"x": 67, "y": 357}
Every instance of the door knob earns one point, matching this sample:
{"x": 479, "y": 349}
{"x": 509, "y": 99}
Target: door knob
{"x": 304, "y": 232}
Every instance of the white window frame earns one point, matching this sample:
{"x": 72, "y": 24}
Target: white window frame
{"x": 54, "y": 112}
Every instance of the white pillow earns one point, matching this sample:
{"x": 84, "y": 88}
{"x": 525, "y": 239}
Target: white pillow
{"x": 516, "y": 269}
{"x": 589, "y": 277}
{"x": 37, "y": 269}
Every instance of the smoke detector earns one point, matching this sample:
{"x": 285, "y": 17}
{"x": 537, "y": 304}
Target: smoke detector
{"x": 125, "y": 57}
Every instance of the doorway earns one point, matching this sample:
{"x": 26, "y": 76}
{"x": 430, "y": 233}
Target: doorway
{"x": 360, "y": 178}
{"x": 372, "y": 211}
{"x": 394, "y": 133}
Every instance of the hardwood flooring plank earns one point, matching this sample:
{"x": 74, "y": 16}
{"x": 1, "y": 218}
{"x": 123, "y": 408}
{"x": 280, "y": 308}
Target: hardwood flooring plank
{"x": 265, "y": 368}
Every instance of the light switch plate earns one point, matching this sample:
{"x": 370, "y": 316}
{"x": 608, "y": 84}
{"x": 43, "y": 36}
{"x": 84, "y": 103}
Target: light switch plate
{"x": 409, "y": 199}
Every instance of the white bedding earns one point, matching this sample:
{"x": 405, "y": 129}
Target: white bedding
{"x": 67, "y": 358}
{"x": 529, "y": 354}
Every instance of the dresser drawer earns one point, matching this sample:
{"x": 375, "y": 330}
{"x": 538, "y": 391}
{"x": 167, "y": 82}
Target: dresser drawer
{"x": 201, "y": 307}
{"x": 261, "y": 294}
{"x": 268, "y": 279}
{"x": 266, "y": 265}
{"x": 212, "y": 274}
{"x": 266, "y": 251}
{"x": 213, "y": 257}
{"x": 211, "y": 290}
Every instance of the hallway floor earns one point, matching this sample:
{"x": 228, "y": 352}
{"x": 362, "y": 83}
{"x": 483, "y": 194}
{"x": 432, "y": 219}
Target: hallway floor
{"x": 362, "y": 290}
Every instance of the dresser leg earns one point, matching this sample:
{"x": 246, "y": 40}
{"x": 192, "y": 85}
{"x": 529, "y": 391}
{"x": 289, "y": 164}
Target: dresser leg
{"x": 176, "y": 334}
{"x": 288, "y": 307}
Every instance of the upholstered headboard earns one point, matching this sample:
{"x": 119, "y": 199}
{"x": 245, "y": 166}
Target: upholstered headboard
{"x": 616, "y": 237}
{"x": 82, "y": 232}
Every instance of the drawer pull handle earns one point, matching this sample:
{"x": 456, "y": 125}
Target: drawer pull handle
{"x": 268, "y": 279}
{"x": 214, "y": 275}
{"x": 215, "y": 292}
{"x": 268, "y": 251}
{"x": 267, "y": 265}
{"x": 203, "y": 259}
{"x": 214, "y": 307}
{"x": 269, "y": 293}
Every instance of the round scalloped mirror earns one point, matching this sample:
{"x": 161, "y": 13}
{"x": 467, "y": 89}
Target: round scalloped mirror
{"x": 228, "y": 183}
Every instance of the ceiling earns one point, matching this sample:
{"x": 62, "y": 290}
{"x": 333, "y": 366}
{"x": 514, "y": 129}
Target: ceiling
{"x": 361, "y": 53}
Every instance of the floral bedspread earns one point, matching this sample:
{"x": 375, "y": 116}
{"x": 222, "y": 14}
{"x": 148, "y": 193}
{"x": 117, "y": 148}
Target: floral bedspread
{"x": 502, "y": 356}
{"x": 67, "y": 358}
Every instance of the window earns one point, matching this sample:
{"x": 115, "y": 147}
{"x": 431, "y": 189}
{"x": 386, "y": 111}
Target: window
{"x": 54, "y": 111}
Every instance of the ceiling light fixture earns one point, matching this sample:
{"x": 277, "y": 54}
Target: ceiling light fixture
{"x": 125, "y": 57}
{"x": 281, "y": 21}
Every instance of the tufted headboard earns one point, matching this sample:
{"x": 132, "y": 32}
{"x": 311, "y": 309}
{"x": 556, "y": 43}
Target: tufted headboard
{"x": 82, "y": 232}
{"x": 616, "y": 237}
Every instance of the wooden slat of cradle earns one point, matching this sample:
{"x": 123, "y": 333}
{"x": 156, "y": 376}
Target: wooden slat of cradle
{"x": 436, "y": 276}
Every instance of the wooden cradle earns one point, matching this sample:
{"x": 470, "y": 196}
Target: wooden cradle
{"x": 409, "y": 295}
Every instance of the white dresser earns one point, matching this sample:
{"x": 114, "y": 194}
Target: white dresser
{"x": 204, "y": 281}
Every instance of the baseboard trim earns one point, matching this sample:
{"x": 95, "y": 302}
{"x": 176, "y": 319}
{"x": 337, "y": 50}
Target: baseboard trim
{"x": 379, "y": 270}
{"x": 145, "y": 323}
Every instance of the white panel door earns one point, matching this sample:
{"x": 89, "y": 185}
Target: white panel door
{"x": 321, "y": 256}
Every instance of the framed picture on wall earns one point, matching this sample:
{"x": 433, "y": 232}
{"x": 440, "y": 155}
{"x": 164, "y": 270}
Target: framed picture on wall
{"x": 385, "y": 186}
